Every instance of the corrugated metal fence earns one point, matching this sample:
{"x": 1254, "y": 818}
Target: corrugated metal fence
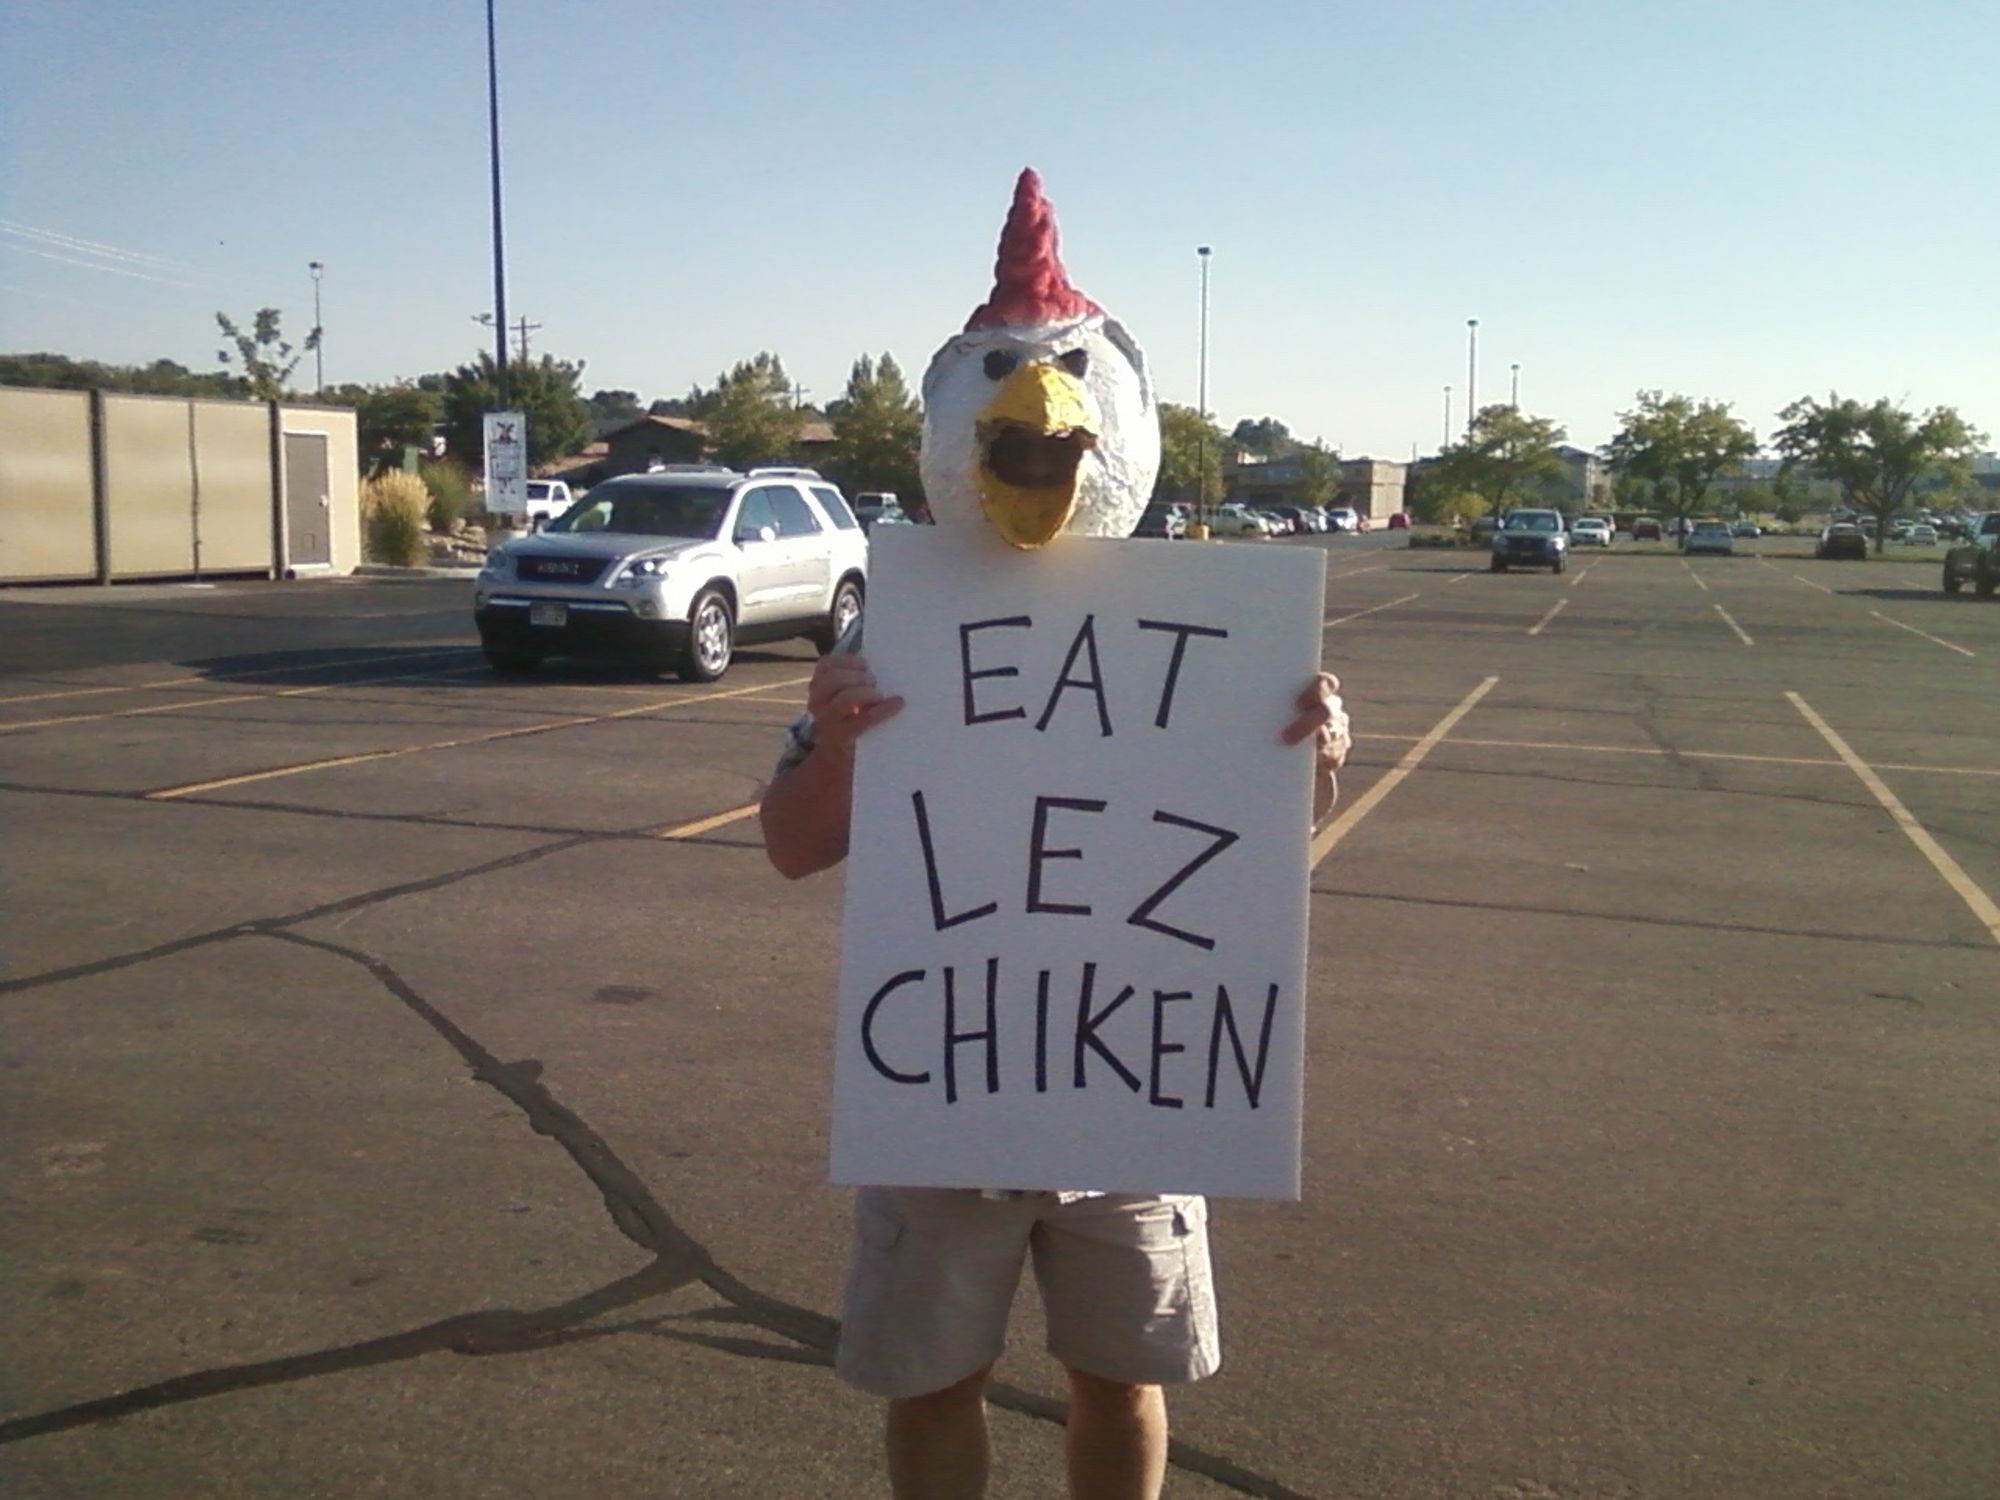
{"x": 104, "y": 487}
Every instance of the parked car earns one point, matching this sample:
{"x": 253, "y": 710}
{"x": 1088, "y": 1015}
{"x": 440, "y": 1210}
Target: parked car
{"x": 1343, "y": 518}
{"x": 1709, "y": 536}
{"x": 674, "y": 568}
{"x": 1234, "y": 519}
{"x": 1531, "y": 539}
{"x": 1163, "y": 521}
{"x": 547, "y": 499}
{"x": 1922, "y": 535}
{"x": 1646, "y": 529}
{"x": 1591, "y": 531}
{"x": 1843, "y": 539}
{"x": 1747, "y": 529}
{"x": 1398, "y": 521}
{"x": 1483, "y": 530}
{"x": 872, "y": 505}
{"x": 1275, "y": 520}
{"x": 1978, "y": 561}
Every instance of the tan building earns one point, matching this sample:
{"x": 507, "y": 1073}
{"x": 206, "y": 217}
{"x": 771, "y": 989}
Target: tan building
{"x": 102, "y": 487}
{"x": 1373, "y": 486}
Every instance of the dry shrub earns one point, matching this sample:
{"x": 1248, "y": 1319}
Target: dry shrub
{"x": 393, "y": 505}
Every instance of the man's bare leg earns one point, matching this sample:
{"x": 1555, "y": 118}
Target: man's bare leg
{"x": 1117, "y": 1439}
{"x": 937, "y": 1442}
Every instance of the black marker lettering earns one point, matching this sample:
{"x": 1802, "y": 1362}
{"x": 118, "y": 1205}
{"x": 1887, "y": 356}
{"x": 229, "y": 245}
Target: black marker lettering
{"x": 968, "y": 676}
{"x": 939, "y": 921}
{"x": 1180, "y": 634}
{"x": 1143, "y": 915}
{"x": 1042, "y": 1032}
{"x": 954, "y": 1038}
{"x": 1086, "y": 1031}
{"x": 1253, "y": 1079}
{"x": 1161, "y": 1048}
{"x": 1086, "y": 640}
{"x": 1038, "y": 851}
{"x": 908, "y": 976}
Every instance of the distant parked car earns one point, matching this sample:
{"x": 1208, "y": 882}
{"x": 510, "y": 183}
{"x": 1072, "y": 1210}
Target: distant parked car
{"x": 1922, "y": 536}
{"x": 547, "y": 499}
{"x": 871, "y": 506}
{"x": 1843, "y": 539}
{"x": 1163, "y": 521}
{"x": 1646, "y": 529}
{"x": 1591, "y": 531}
{"x": 1234, "y": 519}
{"x": 1748, "y": 529}
{"x": 1398, "y": 521}
{"x": 1709, "y": 536}
{"x": 1343, "y": 518}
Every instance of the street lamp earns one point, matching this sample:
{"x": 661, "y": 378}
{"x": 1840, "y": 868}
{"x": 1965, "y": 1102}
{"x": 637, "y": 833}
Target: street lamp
{"x": 499, "y": 252}
{"x": 1446, "y": 441}
{"x": 1471, "y": 372}
{"x": 1514, "y": 399}
{"x": 319, "y": 332}
{"x": 1201, "y": 442}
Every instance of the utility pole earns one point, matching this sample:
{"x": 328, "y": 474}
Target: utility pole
{"x": 522, "y": 328}
{"x": 1445, "y": 442}
{"x": 319, "y": 332}
{"x": 499, "y": 242}
{"x": 1201, "y": 441}
{"x": 1471, "y": 373}
{"x": 798, "y": 396}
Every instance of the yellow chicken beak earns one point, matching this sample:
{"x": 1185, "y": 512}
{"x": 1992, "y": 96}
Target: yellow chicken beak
{"x": 1032, "y": 435}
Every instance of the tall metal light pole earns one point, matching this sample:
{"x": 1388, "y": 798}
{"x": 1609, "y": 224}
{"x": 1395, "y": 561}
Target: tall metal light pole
{"x": 1471, "y": 372}
{"x": 1514, "y": 398}
{"x": 1446, "y": 442}
{"x": 1201, "y": 445}
{"x": 499, "y": 243}
{"x": 319, "y": 333}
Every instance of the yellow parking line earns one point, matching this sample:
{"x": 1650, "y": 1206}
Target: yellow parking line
{"x": 1578, "y": 748}
{"x": 1741, "y": 634}
{"x": 1540, "y": 625}
{"x": 1935, "y": 640}
{"x": 1948, "y": 868}
{"x": 1324, "y": 841}
{"x": 703, "y": 825}
{"x": 167, "y": 794}
{"x": 1333, "y": 620}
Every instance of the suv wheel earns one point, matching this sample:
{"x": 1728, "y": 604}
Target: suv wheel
{"x": 711, "y": 638}
{"x": 846, "y": 610}
{"x": 1559, "y": 564}
{"x": 1952, "y": 582}
{"x": 1496, "y": 566}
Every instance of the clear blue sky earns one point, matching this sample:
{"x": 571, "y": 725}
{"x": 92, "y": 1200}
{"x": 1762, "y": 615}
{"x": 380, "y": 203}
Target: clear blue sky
{"x": 1748, "y": 200}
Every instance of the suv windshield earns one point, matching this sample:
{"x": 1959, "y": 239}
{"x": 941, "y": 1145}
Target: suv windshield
{"x": 648, "y": 510}
{"x": 1534, "y": 520}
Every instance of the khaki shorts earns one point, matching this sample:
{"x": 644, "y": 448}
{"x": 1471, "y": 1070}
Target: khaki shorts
{"x": 1125, "y": 1280}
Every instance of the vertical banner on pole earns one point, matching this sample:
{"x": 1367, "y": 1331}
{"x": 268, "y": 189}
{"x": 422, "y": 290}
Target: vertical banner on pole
{"x": 507, "y": 463}
{"x": 1074, "y": 944}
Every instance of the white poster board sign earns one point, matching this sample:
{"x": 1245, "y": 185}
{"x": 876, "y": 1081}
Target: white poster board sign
{"x": 507, "y": 463}
{"x": 1074, "y": 945}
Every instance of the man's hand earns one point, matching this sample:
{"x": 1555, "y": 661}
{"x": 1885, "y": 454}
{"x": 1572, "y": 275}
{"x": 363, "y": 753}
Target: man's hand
{"x": 1322, "y": 716}
{"x": 845, "y": 704}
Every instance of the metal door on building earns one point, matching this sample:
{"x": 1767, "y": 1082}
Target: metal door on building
{"x": 308, "y": 501}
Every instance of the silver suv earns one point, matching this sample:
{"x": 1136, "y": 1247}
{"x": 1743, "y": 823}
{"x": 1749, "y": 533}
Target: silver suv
{"x": 674, "y": 568}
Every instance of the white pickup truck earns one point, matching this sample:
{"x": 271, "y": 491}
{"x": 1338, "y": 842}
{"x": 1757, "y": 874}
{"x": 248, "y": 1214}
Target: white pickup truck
{"x": 547, "y": 499}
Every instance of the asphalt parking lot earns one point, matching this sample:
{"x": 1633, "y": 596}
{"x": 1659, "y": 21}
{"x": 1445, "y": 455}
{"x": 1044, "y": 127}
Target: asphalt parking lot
{"x": 415, "y": 1081}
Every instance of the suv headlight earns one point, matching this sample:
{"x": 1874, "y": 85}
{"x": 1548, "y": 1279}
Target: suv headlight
{"x": 498, "y": 567}
{"x": 646, "y": 570}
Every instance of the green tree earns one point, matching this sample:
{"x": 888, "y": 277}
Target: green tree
{"x": 876, "y": 428}
{"x": 611, "y": 410}
{"x": 163, "y": 377}
{"x": 1504, "y": 451}
{"x": 1319, "y": 474}
{"x": 1265, "y": 436}
{"x": 267, "y": 360}
{"x": 750, "y": 412}
{"x": 543, "y": 390}
{"x": 1190, "y": 456}
{"x": 389, "y": 419}
{"x": 1678, "y": 447}
{"x": 1875, "y": 453}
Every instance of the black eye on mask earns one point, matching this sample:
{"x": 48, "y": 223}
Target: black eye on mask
{"x": 1000, "y": 363}
{"x": 1077, "y": 362}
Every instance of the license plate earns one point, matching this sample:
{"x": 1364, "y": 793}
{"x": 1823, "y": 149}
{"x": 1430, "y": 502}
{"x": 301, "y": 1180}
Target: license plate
{"x": 548, "y": 614}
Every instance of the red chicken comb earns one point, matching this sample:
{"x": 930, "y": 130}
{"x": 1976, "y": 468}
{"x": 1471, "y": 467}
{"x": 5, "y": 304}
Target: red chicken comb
{"x": 1029, "y": 283}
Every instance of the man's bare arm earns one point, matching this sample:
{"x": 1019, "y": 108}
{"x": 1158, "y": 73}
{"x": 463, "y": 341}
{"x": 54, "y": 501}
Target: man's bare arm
{"x": 807, "y": 808}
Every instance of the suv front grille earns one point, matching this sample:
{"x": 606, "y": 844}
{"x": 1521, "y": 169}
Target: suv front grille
{"x": 534, "y": 569}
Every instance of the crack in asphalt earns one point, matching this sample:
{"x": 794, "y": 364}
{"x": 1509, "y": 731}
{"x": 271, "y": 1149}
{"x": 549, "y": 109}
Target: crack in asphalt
{"x": 679, "y": 1260}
